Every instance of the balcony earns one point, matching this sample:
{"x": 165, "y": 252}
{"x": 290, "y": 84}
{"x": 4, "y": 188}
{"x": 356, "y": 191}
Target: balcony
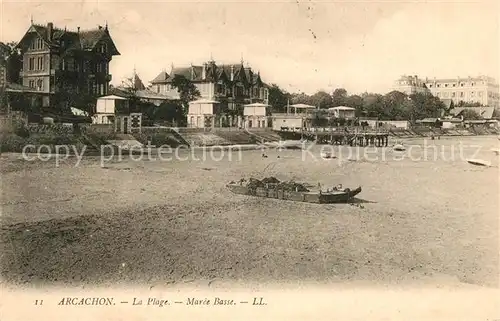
{"x": 35, "y": 73}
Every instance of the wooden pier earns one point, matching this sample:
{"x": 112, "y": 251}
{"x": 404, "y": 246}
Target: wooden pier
{"x": 337, "y": 137}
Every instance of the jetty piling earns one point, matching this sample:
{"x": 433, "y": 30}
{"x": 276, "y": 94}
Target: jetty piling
{"x": 361, "y": 139}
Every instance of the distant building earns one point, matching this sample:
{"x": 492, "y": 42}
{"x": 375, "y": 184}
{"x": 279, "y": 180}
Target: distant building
{"x": 483, "y": 90}
{"x": 410, "y": 85}
{"x": 484, "y": 112}
{"x": 58, "y": 62}
{"x": 232, "y": 86}
{"x": 342, "y": 112}
{"x": 138, "y": 89}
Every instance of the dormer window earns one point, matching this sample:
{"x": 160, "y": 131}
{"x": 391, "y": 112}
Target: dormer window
{"x": 103, "y": 48}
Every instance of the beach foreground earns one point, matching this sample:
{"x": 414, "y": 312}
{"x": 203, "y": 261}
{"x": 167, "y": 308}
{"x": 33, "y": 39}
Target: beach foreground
{"x": 172, "y": 222}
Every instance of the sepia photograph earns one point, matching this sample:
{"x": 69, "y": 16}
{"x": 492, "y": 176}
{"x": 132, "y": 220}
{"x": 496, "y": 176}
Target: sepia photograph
{"x": 249, "y": 144}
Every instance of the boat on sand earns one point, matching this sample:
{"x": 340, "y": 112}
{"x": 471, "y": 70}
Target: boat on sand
{"x": 285, "y": 144}
{"x": 478, "y": 162}
{"x": 291, "y": 191}
{"x": 399, "y": 148}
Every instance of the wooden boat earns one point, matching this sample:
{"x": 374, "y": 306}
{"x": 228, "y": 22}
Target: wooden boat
{"x": 399, "y": 147}
{"x": 478, "y": 162}
{"x": 273, "y": 191}
{"x": 327, "y": 155}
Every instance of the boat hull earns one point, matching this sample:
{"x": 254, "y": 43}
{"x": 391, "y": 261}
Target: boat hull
{"x": 308, "y": 197}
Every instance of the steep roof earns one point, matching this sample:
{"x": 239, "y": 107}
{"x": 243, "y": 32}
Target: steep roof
{"x": 138, "y": 84}
{"x": 161, "y": 78}
{"x": 213, "y": 73}
{"x": 485, "y": 112}
{"x": 71, "y": 40}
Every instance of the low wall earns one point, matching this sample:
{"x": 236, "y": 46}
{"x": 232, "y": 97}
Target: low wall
{"x": 100, "y": 128}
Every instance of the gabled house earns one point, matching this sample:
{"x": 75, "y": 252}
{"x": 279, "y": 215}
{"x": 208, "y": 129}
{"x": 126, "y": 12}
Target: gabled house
{"x": 136, "y": 88}
{"x": 232, "y": 85}
{"x": 64, "y": 65}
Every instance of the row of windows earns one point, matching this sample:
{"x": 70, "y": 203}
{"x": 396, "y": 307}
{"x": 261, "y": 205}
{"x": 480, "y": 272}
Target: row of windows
{"x": 221, "y": 89}
{"x": 460, "y": 94}
{"x": 97, "y": 88}
{"x": 454, "y": 85}
{"x": 36, "y": 63}
{"x": 71, "y": 64}
{"x": 37, "y": 44}
{"x": 38, "y": 84}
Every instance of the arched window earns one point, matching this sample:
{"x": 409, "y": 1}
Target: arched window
{"x": 39, "y": 84}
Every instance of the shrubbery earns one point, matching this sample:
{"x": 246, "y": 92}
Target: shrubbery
{"x": 158, "y": 139}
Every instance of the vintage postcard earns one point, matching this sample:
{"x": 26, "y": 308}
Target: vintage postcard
{"x": 249, "y": 160}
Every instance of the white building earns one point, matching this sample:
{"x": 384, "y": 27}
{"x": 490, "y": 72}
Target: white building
{"x": 342, "y": 112}
{"x": 106, "y": 108}
{"x": 483, "y": 90}
{"x": 410, "y": 85}
{"x": 255, "y": 115}
{"x": 201, "y": 113}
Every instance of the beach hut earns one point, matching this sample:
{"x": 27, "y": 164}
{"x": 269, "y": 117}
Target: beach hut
{"x": 107, "y": 107}
{"x": 342, "y": 112}
{"x": 255, "y": 115}
{"x": 302, "y": 108}
{"x": 201, "y": 112}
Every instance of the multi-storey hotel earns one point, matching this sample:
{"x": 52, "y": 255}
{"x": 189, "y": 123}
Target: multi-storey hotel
{"x": 481, "y": 90}
{"x": 57, "y": 61}
{"x": 232, "y": 85}
{"x": 410, "y": 85}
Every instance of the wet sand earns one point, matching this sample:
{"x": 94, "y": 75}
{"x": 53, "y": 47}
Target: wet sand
{"x": 170, "y": 222}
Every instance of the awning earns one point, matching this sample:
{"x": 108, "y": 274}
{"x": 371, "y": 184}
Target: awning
{"x": 302, "y": 106}
{"x": 256, "y": 105}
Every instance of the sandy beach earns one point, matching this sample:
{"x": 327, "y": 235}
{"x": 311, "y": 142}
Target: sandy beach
{"x": 429, "y": 216}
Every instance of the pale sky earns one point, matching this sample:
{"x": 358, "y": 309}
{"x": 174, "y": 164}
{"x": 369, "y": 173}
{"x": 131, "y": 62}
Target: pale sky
{"x": 299, "y": 45}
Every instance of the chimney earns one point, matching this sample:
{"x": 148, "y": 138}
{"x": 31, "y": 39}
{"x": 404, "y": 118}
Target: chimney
{"x": 78, "y": 29}
{"x": 192, "y": 72}
{"x": 232, "y": 72}
{"x": 100, "y": 27}
{"x": 50, "y": 28}
{"x": 204, "y": 71}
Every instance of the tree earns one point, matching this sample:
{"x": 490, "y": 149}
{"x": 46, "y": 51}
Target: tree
{"x": 187, "y": 90}
{"x": 321, "y": 99}
{"x": 373, "y": 105}
{"x": 425, "y": 106}
{"x": 469, "y": 114}
{"x": 13, "y": 63}
{"x": 356, "y": 102}
{"x": 339, "y": 97}
{"x": 169, "y": 111}
{"x": 469, "y": 104}
{"x": 300, "y": 98}
{"x": 395, "y": 105}
{"x": 278, "y": 98}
